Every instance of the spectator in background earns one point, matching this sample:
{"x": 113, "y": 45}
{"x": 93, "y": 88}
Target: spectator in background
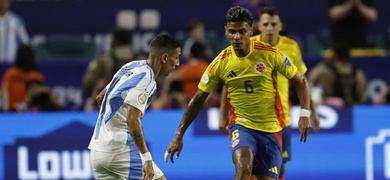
{"x": 343, "y": 84}
{"x": 171, "y": 95}
{"x": 101, "y": 69}
{"x": 12, "y": 33}
{"x": 350, "y": 20}
{"x": 197, "y": 33}
{"x": 16, "y": 79}
{"x": 41, "y": 99}
{"x": 192, "y": 71}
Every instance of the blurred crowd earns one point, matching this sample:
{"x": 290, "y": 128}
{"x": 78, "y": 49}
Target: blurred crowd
{"x": 335, "y": 81}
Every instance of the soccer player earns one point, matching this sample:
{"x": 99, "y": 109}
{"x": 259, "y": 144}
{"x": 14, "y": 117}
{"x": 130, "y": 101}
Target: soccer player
{"x": 118, "y": 147}
{"x": 249, "y": 71}
{"x": 270, "y": 26}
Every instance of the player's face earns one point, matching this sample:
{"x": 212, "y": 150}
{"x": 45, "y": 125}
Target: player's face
{"x": 238, "y": 34}
{"x": 172, "y": 61}
{"x": 270, "y": 27}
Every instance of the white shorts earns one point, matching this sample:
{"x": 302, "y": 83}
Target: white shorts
{"x": 122, "y": 165}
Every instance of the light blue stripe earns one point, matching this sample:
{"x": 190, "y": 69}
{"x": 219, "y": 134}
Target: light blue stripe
{"x": 115, "y": 80}
{"x": 116, "y": 101}
{"x": 135, "y": 171}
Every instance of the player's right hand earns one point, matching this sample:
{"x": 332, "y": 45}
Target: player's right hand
{"x": 147, "y": 170}
{"x": 174, "y": 147}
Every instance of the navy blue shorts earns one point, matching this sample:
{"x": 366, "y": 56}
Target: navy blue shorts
{"x": 266, "y": 148}
{"x": 286, "y": 138}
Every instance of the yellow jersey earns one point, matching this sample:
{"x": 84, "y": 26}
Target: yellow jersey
{"x": 253, "y": 95}
{"x": 291, "y": 49}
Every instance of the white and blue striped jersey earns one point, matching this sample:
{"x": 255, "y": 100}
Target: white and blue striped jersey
{"x": 134, "y": 84}
{"x": 12, "y": 34}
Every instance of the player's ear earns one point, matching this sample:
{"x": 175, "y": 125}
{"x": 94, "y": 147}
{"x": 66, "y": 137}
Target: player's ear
{"x": 164, "y": 57}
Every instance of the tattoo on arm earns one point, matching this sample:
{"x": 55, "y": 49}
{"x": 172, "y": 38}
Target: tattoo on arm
{"x": 139, "y": 140}
{"x": 135, "y": 128}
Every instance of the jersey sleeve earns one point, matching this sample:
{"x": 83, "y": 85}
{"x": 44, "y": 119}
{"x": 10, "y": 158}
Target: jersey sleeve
{"x": 211, "y": 75}
{"x": 284, "y": 66}
{"x": 137, "y": 95}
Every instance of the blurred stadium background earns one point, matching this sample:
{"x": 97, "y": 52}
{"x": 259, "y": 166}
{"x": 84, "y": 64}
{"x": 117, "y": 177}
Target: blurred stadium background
{"x": 67, "y": 34}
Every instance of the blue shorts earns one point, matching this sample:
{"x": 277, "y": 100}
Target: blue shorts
{"x": 286, "y": 138}
{"x": 266, "y": 148}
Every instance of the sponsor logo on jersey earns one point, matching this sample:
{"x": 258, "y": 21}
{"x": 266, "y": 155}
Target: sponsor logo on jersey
{"x": 232, "y": 74}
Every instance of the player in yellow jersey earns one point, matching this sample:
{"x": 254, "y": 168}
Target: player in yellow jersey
{"x": 270, "y": 26}
{"x": 249, "y": 71}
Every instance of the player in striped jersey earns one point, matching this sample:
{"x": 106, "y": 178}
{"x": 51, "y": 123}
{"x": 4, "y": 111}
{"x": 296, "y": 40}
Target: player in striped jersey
{"x": 12, "y": 33}
{"x": 270, "y": 26}
{"x": 249, "y": 71}
{"x": 118, "y": 147}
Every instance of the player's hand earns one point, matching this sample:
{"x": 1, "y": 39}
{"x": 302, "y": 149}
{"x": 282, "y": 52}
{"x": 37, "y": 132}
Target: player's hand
{"x": 223, "y": 124}
{"x": 315, "y": 122}
{"x": 174, "y": 147}
{"x": 147, "y": 170}
{"x": 304, "y": 126}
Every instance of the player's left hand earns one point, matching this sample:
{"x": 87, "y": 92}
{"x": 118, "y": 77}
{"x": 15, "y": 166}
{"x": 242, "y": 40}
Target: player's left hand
{"x": 315, "y": 122}
{"x": 304, "y": 126}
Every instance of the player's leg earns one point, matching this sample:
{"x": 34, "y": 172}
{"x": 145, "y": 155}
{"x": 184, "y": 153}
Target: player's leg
{"x": 286, "y": 153}
{"x": 241, "y": 144}
{"x": 268, "y": 157}
{"x": 243, "y": 158}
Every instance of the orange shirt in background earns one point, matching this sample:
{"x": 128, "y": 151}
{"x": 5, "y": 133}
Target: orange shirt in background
{"x": 14, "y": 86}
{"x": 190, "y": 74}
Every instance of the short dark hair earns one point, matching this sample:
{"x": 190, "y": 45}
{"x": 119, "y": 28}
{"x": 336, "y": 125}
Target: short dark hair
{"x": 25, "y": 58}
{"x": 238, "y": 14}
{"x": 272, "y": 11}
{"x": 198, "y": 50}
{"x": 123, "y": 36}
{"x": 164, "y": 43}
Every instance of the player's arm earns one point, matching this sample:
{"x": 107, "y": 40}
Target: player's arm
{"x": 303, "y": 94}
{"x": 367, "y": 12}
{"x": 193, "y": 108}
{"x": 338, "y": 12}
{"x": 99, "y": 98}
{"x": 223, "y": 108}
{"x": 135, "y": 127}
{"x": 314, "y": 116}
{"x": 136, "y": 132}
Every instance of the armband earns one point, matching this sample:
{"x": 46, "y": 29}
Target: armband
{"x": 146, "y": 156}
{"x": 304, "y": 113}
